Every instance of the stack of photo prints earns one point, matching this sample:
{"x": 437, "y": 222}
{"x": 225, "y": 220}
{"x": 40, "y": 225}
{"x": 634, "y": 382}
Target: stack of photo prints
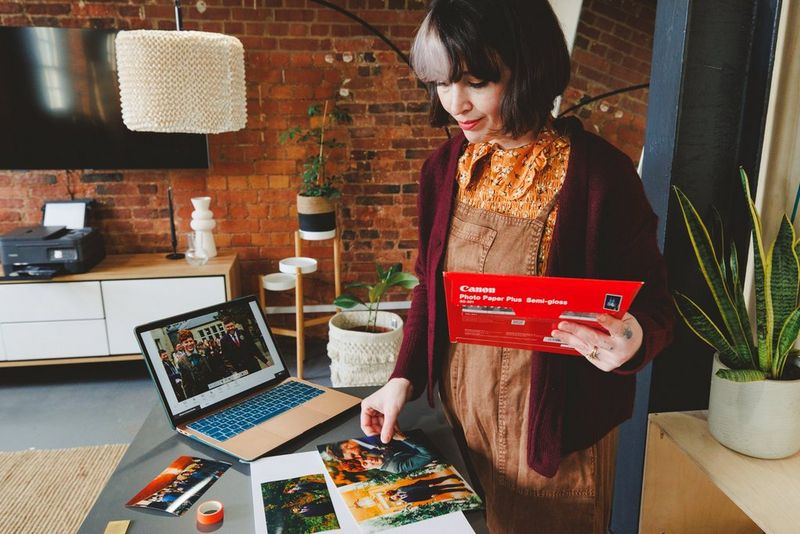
{"x": 178, "y": 487}
{"x": 383, "y": 485}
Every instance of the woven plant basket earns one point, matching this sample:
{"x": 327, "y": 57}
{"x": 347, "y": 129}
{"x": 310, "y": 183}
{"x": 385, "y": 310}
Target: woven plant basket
{"x": 316, "y": 217}
{"x": 363, "y": 358}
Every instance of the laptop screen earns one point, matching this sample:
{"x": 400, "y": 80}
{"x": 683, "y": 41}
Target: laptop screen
{"x": 206, "y": 357}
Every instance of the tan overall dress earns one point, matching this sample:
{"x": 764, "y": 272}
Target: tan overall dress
{"x": 485, "y": 392}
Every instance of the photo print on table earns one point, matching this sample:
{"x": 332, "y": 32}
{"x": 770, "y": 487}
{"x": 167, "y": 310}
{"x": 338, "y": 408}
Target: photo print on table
{"x": 298, "y": 505}
{"x": 388, "y": 485}
{"x": 180, "y": 485}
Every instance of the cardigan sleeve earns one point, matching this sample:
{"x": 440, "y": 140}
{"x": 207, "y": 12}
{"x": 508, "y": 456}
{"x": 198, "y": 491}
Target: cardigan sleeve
{"x": 630, "y": 250}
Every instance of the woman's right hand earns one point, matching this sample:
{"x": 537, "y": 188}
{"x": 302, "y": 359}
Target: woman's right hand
{"x": 379, "y": 411}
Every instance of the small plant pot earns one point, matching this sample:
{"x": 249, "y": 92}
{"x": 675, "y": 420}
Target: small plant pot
{"x": 759, "y": 419}
{"x": 363, "y": 358}
{"x": 316, "y": 217}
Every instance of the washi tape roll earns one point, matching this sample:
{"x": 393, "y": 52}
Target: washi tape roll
{"x": 210, "y": 512}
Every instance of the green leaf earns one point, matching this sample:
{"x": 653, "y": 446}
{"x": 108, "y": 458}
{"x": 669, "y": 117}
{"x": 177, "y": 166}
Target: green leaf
{"x": 701, "y": 324}
{"x": 376, "y": 292}
{"x": 346, "y": 300}
{"x": 288, "y": 134}
{"x": 797, "y": 250}
{"x": 784, "y": 276}
{"x": 404, "y": 280}
{"x": 786, "y": 339}
{"x": 742, "y": 375}
{"x": 387, "y": 277}
{"x": 720, "y": 229}
{"x": 764, "y": 318}
{"x": 741, "y": 306}
{"x": 357, "y": 284}
{"x": 314, "y": 110}
{"x": 709, "y": 265}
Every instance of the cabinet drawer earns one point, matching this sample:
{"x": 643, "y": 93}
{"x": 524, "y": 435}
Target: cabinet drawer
{"x": 55, "y": 339}
{"x": 2, "y": 347}
{"x": 65, "y": 301}
{"x": 130, "y": 303}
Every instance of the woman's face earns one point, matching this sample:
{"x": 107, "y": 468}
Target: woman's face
{"x": 475, "y": 105}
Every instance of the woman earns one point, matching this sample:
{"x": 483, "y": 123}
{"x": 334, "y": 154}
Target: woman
{"x": 516, "y": 192}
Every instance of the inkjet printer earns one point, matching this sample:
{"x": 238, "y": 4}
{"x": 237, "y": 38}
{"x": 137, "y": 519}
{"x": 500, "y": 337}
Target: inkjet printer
{"x": 51, "y": 249}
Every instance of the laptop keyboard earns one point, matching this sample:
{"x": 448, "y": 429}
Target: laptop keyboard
{"x": 255, "y": 410}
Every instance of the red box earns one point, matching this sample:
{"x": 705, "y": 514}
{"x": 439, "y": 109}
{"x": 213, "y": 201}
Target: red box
{"x": 521, "y": 311}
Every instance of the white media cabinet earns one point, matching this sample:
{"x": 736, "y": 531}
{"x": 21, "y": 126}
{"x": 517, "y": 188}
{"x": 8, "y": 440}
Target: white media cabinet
{"x": 90, "y": 317}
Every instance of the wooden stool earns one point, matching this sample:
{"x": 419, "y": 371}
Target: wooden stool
{"x": 291, "y": 276}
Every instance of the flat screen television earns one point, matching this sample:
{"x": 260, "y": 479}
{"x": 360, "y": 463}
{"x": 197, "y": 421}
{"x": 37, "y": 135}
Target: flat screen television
{"x": 60, "y": 108}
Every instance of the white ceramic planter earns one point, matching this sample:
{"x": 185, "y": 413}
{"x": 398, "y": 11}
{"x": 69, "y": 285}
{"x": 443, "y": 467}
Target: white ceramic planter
{"x": 760, "y": 419}
{"x": 363, "y": 358}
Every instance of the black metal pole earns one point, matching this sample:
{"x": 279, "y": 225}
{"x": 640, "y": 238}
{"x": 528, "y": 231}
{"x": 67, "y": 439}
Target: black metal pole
{"x": 178, "y": 16}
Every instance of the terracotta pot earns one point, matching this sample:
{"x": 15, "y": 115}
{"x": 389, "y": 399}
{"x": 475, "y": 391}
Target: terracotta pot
{"x": 317, "y": 217}
{"x": 760, "y": 419}
{"x": 363, "y": 358}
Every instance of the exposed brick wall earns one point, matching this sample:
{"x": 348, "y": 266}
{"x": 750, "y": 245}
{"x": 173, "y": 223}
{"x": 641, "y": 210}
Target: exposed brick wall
{"x": 296, "y": 54}
{"x": 612, "y": 50}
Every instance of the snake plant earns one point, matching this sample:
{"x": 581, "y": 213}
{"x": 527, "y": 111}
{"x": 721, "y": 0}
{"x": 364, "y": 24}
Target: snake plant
{"x": 777, "y": 285}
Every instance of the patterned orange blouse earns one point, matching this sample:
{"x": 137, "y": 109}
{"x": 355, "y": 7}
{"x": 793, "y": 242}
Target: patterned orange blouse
{"x": 518, "y": 182}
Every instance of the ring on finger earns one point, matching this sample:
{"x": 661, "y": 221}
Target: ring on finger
{"x": 593, "y": 355}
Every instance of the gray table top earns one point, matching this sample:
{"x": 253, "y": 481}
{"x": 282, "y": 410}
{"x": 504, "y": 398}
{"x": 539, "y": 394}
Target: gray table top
{"x": 157, "y": 445}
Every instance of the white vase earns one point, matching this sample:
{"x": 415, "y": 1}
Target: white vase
{"x": 363, "y": 358}
{"x": 760, "y": 419}
{"x": 203, "y": 222}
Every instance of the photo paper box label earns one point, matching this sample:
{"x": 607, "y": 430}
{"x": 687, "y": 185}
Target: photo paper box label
{"x": 520, "y": 312}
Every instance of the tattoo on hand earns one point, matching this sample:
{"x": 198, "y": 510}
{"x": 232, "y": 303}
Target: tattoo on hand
{"x": 628, "y": 333}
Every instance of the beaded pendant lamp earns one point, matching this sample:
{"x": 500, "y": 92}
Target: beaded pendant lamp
{"x": 181, "y": 81}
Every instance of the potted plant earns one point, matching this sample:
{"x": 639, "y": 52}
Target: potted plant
{"x": 754, "y": 404}
{"x": 363, "y": 345}
{"x": 316, "y": 210}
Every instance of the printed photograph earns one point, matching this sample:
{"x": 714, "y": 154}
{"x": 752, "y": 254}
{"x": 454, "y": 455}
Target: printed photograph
{"x": 205, "y": 352}
{"x": 298, "y": 505}
{"x": 431, "y": 492}
{"x": 179, "y": 486}
{"x": 388, "y": 485}
{"x": 368, "y": 459}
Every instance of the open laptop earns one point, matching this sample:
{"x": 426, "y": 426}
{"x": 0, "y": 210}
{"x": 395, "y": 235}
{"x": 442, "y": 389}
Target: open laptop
{"x": 223, "y": 382}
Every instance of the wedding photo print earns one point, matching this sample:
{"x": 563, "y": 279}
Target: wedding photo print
{"x": 402, "y": 482}
{"x": 179, "y": 486}
{"x": 205, "y": 352}
{"x": 298, "y": 505}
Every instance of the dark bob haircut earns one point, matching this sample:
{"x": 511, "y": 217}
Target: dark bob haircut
{"x": 484, "y": 36}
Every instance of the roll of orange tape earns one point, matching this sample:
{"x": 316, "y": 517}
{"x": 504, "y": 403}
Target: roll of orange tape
{"x": 210, "y": 512}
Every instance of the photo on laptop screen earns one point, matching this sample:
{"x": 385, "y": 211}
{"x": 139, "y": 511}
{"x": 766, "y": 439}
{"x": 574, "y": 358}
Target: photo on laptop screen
{"x": 204, "y": 358}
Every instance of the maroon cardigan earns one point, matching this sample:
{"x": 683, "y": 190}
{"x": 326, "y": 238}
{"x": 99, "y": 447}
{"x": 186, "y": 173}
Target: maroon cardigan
{"x": 605, "y": 229}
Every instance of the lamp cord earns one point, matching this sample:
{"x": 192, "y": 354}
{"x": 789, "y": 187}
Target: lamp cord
{"x": 588, "y": 100}
{"x": 375, "y": 31}
{"x": 367, "y": 25}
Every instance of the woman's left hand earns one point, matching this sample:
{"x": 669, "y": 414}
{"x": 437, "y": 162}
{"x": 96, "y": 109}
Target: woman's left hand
{"x": 606, "y": 351}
